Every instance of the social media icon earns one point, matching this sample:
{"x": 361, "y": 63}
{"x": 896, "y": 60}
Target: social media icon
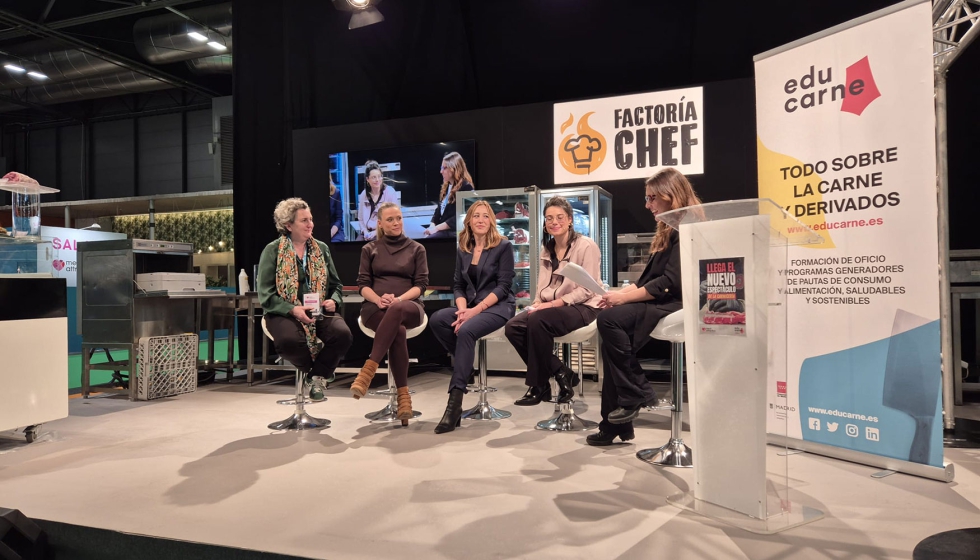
{"x": 832, "y": 426}
{"x": 815, "y": 424}
{"x": 851, "y": 430}
{"x": 871, "y": 434}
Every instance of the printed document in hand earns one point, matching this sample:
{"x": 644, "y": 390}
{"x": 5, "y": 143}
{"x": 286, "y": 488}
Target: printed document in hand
{"x": 577, "y": 274}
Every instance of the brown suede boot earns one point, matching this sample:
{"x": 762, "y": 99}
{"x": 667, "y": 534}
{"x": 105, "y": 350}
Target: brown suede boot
{"x": 404, "y": 405}
{"x": 360, "y": 385}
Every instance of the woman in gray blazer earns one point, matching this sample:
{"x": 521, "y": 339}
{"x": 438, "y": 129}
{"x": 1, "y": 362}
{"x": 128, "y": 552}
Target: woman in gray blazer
{"x": 484, "y": 300}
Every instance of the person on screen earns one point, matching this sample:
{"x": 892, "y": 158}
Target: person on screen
{"x": 336, "y": 215}
{"x": 455, "y": 178}
{"x": 560, "y": 307}
{"x": 370, "y": 199}
{"x": 630, "y": 315}
{"x": 290, "y": 267}
{"x": 392, "y": 277}
{"x": 484, "y": 300}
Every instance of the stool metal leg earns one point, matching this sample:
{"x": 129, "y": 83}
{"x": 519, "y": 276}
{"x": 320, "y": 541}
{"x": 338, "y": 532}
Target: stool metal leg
{"x": 300, "y": 420}
{"x": 293, "y": 400}
{"x": 390, "y": 412}
{"x": 564, "y": 419}
{"x": 483, "y": 410}
{"x": 675, "y": 453}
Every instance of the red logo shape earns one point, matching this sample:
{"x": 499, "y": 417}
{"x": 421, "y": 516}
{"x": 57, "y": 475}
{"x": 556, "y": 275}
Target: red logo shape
{"x": 58, "y": 264}
{"x": 781, "y": 388}
{"x": 858, "y": 102}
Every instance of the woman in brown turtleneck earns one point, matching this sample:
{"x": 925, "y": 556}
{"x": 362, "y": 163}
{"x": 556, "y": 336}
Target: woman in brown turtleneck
{"x": 392, "y": 277}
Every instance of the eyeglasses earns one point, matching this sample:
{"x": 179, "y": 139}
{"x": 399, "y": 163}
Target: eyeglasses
{"x": 559, "y": 218}
{"x": 649, "y": 198}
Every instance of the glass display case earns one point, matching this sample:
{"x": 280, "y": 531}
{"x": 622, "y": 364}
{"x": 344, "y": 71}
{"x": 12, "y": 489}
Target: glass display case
{"x": 592, "y": 206}
{"x": 518, "y": 219}
{"x": 632, "y": 254}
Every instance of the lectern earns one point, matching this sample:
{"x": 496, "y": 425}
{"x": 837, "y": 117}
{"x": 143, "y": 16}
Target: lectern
{"x": 733, "y": 263}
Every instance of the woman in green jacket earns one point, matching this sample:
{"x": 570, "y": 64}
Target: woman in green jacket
{"x": 292, "y": 269}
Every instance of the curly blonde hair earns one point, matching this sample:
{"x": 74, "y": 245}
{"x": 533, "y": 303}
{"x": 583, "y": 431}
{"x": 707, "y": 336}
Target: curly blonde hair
{"x": 285, "y": 213}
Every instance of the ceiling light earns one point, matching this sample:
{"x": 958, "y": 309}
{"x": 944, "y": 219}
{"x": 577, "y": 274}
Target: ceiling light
{"x": 13, "y": 68}
{"x": 217, "y": 46}
{"x": 360, "y": 4}
{"x": 365, "y": 12}
{"x": 37, "y": 75}
{"x": 197, "y": 36}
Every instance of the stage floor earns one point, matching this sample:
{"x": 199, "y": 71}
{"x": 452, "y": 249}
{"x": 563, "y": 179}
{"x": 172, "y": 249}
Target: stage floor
{"x": 204, "y": 467}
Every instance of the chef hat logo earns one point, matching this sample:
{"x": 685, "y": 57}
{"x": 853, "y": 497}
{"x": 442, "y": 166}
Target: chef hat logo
{"x": 583, "y": 151}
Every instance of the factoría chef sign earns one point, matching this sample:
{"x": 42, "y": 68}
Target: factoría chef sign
{"x": 629, "y": 136}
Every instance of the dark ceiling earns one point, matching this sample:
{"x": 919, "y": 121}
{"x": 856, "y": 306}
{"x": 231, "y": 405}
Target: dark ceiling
{"x": 111, "y": 35}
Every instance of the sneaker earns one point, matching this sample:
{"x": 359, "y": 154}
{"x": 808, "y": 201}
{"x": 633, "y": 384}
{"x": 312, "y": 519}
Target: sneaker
{"x": 315, "y": 387}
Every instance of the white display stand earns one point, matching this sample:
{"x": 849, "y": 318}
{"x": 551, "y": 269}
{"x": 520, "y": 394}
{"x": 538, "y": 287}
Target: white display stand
{"x": 737, "y": 479}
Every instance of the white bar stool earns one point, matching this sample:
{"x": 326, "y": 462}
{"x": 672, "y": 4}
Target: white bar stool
{"x": 390, "y": 412}
{"x": 483, "y": 410}
{"x": 300, "y": 420}
{"x": 675, "y": 453}
{"x": 564, "y": 419}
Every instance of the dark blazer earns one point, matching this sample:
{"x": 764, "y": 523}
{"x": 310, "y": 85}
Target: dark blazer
{"x": 337, "y": 217}
{"x": 661, "y": 279}
{"x": 495, "y": 274}
{"x": 449, "y": 215}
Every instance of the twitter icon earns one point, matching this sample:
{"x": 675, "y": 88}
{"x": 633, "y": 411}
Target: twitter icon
{"x": 832, "y": 426}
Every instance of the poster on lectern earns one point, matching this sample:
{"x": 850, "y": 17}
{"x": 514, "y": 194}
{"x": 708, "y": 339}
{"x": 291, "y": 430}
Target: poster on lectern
{"x": 846, "y": 144}
{"x": 721, "y": 297}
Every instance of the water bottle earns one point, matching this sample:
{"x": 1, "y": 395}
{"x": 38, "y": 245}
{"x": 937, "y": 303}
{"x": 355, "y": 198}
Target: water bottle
{"x": 243, "y": 283}
{"x": 625, "y": 283}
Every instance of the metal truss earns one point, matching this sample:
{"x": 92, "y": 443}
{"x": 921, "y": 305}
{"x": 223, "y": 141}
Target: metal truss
{"x": 954, "y": 26}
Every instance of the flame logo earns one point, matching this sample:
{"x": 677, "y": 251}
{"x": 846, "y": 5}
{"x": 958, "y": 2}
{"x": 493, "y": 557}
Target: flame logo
{"x": 583, "y": 152}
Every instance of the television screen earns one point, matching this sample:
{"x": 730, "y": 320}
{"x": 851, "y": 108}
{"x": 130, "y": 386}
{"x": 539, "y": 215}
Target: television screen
{"x": 411, "y": 176}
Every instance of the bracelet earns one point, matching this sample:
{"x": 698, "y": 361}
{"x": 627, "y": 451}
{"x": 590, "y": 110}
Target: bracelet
{"x": 399, "y": 298}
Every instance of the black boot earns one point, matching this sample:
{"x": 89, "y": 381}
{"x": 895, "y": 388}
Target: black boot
{"x": 454, "y": 410}
{"x": 565, "y": 381}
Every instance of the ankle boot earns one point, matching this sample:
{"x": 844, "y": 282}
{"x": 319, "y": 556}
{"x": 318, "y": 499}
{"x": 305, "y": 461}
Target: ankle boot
{"x": 404, "y": 405}
{"x": 454, "y": 411}
{"x": 360, "y": 385}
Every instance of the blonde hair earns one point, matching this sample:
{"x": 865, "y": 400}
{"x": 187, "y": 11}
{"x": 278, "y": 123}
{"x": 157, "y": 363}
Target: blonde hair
{"x": 333, "y": 187}
{"x": 467, "y": 239}
{"x": 671, "y": 185}
{"x": 381, "y": 209}
{"x": 285, "y": 213}
{"x": 460, "y": 175}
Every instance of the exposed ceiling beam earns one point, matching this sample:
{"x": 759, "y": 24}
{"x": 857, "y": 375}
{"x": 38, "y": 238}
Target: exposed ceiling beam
{"x": 96, "y": 51}
{"x": 47, "y": 10}
{"x": 108, "y": 14}
{"x": 6, "y": 96}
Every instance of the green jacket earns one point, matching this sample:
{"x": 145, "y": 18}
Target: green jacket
{"x": 266, "y": 283}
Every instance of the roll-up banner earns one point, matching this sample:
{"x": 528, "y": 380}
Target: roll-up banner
{"x": 630, "y": 136}
{"x": 846, "y": 143}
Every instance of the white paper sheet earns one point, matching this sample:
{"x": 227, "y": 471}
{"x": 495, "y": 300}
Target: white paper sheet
{"x": 577, "y": 274}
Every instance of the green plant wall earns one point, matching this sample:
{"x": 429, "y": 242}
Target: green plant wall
{"x": 208, "y": 230}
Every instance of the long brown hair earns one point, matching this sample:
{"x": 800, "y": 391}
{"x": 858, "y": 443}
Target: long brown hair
{"x": 461, "y": 175}
{"x": 333, "y": 187}
{"x": 671, "y": 185}
{"x": 547, "y": 239}
{"x": 467, "y": 239}
{"x": 381, "y": 209}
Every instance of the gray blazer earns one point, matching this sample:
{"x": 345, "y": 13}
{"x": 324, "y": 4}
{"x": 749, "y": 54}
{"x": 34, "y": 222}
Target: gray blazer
{"x": 495, "y": 274}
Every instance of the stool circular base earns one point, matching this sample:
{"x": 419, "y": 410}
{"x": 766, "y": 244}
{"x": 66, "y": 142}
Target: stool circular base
{"x": 675, "y": 454}
{"x": 484, "y": 411}
{"x": 565, "y": 420}
{"x": 388, "y": 414}
{"x": 306, "y": 400}
{"x": 300, "y": 421}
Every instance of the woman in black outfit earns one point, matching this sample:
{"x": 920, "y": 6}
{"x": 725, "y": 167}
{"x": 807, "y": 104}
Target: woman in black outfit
{"x": 336, "y": 215}
{"x": 455, "y": 178}
{"x": 630, "y": 315}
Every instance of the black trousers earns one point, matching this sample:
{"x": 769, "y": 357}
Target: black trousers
{"x": 533, "y": 336}
{"x": 624, "y": 383}
{"x": 462, "y": 345}
{"x": 291, "y": 342}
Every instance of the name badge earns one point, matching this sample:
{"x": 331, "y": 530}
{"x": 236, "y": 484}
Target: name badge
{"x": 312, "y": 302}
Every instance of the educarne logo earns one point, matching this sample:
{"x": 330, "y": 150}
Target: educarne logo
{"x": 581, "y": 153}
{"x": 855, "y": 94}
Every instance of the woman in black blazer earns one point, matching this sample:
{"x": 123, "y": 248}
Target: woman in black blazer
{"x": 455, "y": 178}
{"x": 484, "y": 300}
{"x": 336, "y": 215}
{"x": 630, "y": 315}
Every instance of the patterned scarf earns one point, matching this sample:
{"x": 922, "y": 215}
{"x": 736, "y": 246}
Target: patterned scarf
{"x": 287, "y": 280}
